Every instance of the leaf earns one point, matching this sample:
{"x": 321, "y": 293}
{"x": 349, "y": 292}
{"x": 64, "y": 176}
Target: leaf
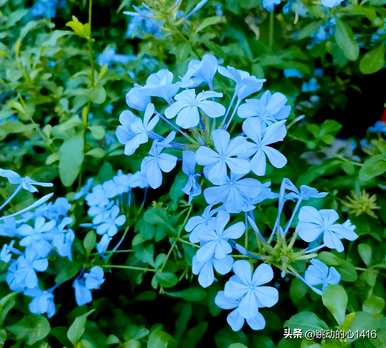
{"x": 373, "y": 60}
{"x": 306, "y": 321}
{"x": 78, "y": 327}
{"x": 365, "y": 253}
{"x": 345, "y": 40}
{"x": 89, "y": 241}
{"x": 98, "y": 132}
{"x": 192, "y": 294}
{"x": 80, "y": 29}
{"x": 97, "y": 95}
{"x": 374, "y": 166}
{"x": 374, "y": 304}
{"x": 207, "y": 22}
{"x": 6, "y": 304}
{"x": 70, "y": 159}
{"x": 159, "y": 339}
{"x": 31, "y": 329}
{"x": 335, "y": 299}
{"x": 166, "y": 279}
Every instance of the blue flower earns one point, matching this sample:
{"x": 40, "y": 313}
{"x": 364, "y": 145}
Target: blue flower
{"x": 314, "y": 224}
{"x": 214, "y": 241}
{"x": 84, "y": 284}
{"x": 22, "y": 272}
{"x": 269, "y": 108}
{"x": 136, "y": 98}
{"x": 42, "y": 301}
{"x": 247, "y": 287}
{"x": 331, "y": 3}
{"x": 82, "y": 294}
{"x": 63, "y": 239}
{"x": 188, "y": 106}
{"x": 292, "y": 73}
{"x": 38, "y": 236}
{"x": 9, "y": 227}
{"x": 200, "y": 71}
{"x": 44, "y": 8}
{"x": 310, "y": 86}
{"x": 263, "y": 137}
{"x": 270, "y": 4}
{"x": 379, "y": 127}
{"x": 228, "y": 153}
{"x": 26, "y": 183}
{"x": 198, "y": 225}
{"x": 245, "y": 83}
{"x": 133, "y": 131}
{"x": 205, "y": 269}
{"x": 97, "y": 197}
{"x": 160, "y": 84}
{"x": 94, "y": 278}
{"x": 234, "y": 318}
{"x": 236, "y": 194}
{"x": 325, "y": 31}
{"x": 143, "y": 23}
{"x": 320, "y": 275}
{"x": 6, "y": 252}
{"x": 157, "y": 162}
{"x": 109, "y": 221}
{"x": 192, "y": 187}
{"x": 108, "y": 57}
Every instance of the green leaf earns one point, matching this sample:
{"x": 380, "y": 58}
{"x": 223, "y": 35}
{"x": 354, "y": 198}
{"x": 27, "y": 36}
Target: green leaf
{"x": 365, "y": 253}
{"x": 31, "y": 329}
{"x": 166, "y": 279}
{"x": 207, "y": 22}
{"x": 98, "y": 132}
{"x": 97, "y": 95}
{"x": 306, "y": 321}
{"x": 80, "y": 29}
{"x": 373, "y": 167}
{"x": 159, "y": 339}
{"x": 70, "y": 159}
{"x": 346, "y": 41}
{"x": 335, "y": 299}
{"x": 6, "y": 304}
{"x": 89, "y": 241}
{"x": 78, "y": 327}
{"x": 373, "y": 60}
{"x": 237, "y": 345}
{"x": 374, "y": 304}
{"x": 192, "y": 294}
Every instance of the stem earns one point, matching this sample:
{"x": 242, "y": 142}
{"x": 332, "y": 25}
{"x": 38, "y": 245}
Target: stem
{"x": 271, "y": 29}
{"x": 134, "y": 268}
{"x": 228, "y": 109}
{"x": 14, "y": 193}
{"x": 243, "y": 250}
{"x": 233, "y": 113}
{"x": 178, "y": 129}
{"x": 175, "y": 241}
{"x": 307, "y": 251}
{"x": 256, "y": 230}
{"x": 294, "y": 212}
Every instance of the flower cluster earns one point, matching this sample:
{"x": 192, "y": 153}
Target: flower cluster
{"x": 105, "y": 202}
{"x": 35, "y": 233}
{"x": 226, "y": 167}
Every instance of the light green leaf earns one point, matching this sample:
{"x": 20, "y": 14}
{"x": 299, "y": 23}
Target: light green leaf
{"x": 70, "y": 159}
{"x": 192, "y": 294}
{"x": 78, "y": 327}
{"x": 374, "y": 304}
{"x": 365, "y": 253}
{"x": 373, "y": 167}
{"x": 6, "y": 304}
{"x": 373, "y": 60}
{"x": 346, "y": 41}
{"x": 30, "y": 329}
{"x": 306, "y": 321}
{"x": 207, "y": 22}
{"x": 335, "y": 299}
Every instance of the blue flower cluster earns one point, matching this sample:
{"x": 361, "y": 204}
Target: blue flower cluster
{"x": 224, "y": 168}
{"x": 105, "y": 202}
{"x": 46, "y": 8}
{"x": 35, "y": 233}
{"x": 85, "y": 282}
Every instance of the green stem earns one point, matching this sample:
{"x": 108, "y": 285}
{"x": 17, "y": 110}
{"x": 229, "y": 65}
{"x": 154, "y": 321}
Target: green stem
{"x": 133, "y": 268}
{"x": 271, "y": 29}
